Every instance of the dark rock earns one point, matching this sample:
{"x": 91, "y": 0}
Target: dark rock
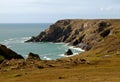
{"x": 105, "y": 33}
{"x": 33, "y": 39}
{"x": 85, "y": 46}
{"x": 32, "y": 56}
{"x": 17, "y": 75}
{"x": 53, "y": 34}
{"x": 8, "y": 54}
{"x": 83, "y": 61}
{"x": 69, "y": 52}
{"x": 60, "y": 77}
{"x": 51, "y": 65}
{"x": 40, "y": 67}
{"x": 102, "y": 25}
{"x": 77, "y": 41}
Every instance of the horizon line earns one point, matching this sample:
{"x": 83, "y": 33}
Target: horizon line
{"x": 60, "y": 19}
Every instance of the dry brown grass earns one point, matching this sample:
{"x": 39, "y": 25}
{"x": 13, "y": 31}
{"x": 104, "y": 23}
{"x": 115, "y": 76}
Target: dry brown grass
{"x": 102, "y": 70}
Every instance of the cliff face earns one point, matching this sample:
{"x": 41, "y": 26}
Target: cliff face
{"x": 86, "y": 34}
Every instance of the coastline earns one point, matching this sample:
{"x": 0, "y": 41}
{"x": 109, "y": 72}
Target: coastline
{"x": 101, "y": 59}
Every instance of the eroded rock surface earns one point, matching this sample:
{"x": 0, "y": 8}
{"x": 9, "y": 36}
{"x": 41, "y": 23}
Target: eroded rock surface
{"x": 80, "y": 33}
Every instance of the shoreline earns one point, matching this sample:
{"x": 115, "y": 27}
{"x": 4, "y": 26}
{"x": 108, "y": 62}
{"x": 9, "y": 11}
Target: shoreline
{"x": 99, "y": 63}
{"x": 23, "y": 39}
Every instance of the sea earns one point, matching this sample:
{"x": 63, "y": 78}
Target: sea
{"x": 15, "y": 35}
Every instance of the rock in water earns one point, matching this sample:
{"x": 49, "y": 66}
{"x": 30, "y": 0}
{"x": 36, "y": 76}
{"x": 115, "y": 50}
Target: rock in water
{"x": 32, "y": 56}
{"x": 69, "y": 52}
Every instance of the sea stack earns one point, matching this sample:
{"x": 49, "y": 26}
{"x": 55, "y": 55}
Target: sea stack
{"x": 69, "y": 52}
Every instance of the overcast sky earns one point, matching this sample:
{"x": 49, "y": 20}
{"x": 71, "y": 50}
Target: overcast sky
{"x": 41, "y": 11}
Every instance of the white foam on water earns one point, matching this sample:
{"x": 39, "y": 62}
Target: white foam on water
{"x": 78, "y": 49}
{"x": 74, "y": 48}
{"x": 15, "y": 40}
{"x": 46, "y": 58}
{"x": 62, "y": 55}
{"x": 10, "y": 39}
{"x": 5, "y": 40}
{"x": 9, "y": 46}
{"x": 60, "y": 43}
{"x": 23, "y": 39}
{"x": 66, "y": 50}
{"x": 25, "y": 56}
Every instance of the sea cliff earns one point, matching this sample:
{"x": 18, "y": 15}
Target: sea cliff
{"x": 86, "y": 34}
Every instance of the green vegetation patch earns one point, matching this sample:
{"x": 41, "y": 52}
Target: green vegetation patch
{"x": 1, "y": 58}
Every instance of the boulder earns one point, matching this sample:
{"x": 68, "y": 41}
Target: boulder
{"x": 6, "y": 53}
{"x": 69, "y": 52}
{"x": 32, "y": 56}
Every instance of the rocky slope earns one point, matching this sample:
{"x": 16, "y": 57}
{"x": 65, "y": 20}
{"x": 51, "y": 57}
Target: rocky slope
{"x": 6, "y": 53}
{"x": 86, "y": 34}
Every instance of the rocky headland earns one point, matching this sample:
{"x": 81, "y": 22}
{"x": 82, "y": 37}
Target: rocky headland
{"x": 85, "y": 34}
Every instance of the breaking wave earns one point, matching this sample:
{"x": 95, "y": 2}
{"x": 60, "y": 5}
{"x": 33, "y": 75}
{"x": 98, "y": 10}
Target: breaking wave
{"x": 75, "y": 48}
{"x": 46, "y": 58}
{"x": 62, "y": 55}
{"x": 15, "y": 40}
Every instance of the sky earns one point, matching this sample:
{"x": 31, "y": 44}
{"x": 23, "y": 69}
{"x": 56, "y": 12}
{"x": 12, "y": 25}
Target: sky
{"x": 49, "y": 11}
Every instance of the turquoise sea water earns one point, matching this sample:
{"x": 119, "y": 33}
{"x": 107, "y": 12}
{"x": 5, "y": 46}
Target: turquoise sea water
{"x": 14, "y": 35}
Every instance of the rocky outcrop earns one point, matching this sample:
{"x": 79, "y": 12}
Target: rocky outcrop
{"x": 69, "y": 52}
{"x": 6, "y": 53}
{"x": 32, "y": 56}
{"x": 80, "y": 33}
